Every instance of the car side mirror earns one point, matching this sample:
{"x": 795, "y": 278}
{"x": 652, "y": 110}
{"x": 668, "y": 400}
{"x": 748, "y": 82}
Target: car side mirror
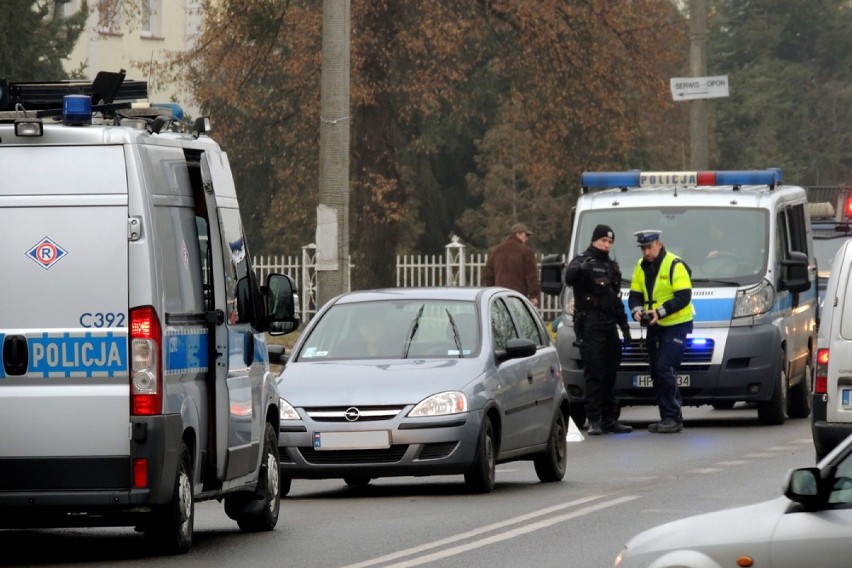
{"x": 794, "y": 273}
{"x": 281, "y": 301}
{"x": 551, "y": 274}
{"x": 803, "y": 486}
{"x": 517, "y": 349}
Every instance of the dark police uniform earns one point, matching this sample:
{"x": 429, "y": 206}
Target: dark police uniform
{"x": 598, "y": 312}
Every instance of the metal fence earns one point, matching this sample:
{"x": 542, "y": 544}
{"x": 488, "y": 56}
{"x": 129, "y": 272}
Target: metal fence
{"x": 454, "y": 268}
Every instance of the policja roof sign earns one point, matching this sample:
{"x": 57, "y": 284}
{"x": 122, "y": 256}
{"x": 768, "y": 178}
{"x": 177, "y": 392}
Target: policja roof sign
{"x": 686, "y": 88}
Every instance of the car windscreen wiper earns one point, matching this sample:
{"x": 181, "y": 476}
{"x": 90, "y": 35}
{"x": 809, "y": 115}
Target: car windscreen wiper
{"x": 456, "y": 336}
{"x": 412, "y": 331}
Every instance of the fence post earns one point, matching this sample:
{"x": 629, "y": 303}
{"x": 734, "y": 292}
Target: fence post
{"x": 455, "y": 262}
{"x": 309, "y": 281}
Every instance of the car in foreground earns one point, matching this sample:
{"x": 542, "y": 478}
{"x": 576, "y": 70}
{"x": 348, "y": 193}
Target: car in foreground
{"x": 422, "y": 381}
{"x": 811, "y": 525}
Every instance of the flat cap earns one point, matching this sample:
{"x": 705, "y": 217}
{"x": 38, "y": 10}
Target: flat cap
{"x": 519, "y": 228}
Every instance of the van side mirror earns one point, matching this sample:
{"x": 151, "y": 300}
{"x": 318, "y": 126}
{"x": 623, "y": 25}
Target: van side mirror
{"x": 794, "y": 273}
{"x": 281, "y": 301}
{"x": 551, "y": 274}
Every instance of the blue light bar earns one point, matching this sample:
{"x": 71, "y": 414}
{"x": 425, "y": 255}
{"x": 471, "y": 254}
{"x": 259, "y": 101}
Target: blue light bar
{"x": 636, "y": 178}
{"x": 177, "y": 111}
{"x": 76, "y": 110}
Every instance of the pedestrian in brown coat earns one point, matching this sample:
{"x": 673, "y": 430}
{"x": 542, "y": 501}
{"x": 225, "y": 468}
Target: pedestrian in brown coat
{"x": 512, "y": 264}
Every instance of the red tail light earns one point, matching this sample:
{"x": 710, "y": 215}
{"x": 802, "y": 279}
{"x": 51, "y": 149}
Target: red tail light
{"x": 140, "y": 472}
{"x": 847, "y": 211}
{"x": 821, "y": 374}
{"x": 146, "y": 370}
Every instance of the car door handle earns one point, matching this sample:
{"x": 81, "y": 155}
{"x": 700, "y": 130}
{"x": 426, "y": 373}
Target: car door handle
{"x": 530, "y": 378}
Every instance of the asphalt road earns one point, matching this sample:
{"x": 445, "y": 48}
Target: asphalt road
{"x": 615, "y": 487}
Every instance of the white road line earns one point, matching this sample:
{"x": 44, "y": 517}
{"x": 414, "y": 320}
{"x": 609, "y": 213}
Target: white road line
{"x": 495, "y": 538}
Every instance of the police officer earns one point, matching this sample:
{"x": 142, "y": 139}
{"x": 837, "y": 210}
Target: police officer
{"x": 598, "y": 312}
{"x": 661, "y": 299}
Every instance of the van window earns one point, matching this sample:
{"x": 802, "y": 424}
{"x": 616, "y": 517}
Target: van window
{"x": 239, "y": 285}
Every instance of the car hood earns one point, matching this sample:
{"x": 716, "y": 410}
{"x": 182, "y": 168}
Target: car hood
{"x": 722, "y": 535}
{"x": 374, "y": 382}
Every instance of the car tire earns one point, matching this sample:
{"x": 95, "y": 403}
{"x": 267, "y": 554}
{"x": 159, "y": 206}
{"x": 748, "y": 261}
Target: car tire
{"x": 171, "y": 526}
{"x": 773, "y": 412}
{"x": 550, "y": 465}
{"x": 259, "y": 511}
{"x": 286, "y": 484}
{"x": 480, "y": 477}
{"x": 356, "y": 480}
{"x": 799, "y": 400}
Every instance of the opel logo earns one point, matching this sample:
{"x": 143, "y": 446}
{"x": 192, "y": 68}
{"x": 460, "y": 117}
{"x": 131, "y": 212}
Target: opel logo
{"x": 352, "y": 414}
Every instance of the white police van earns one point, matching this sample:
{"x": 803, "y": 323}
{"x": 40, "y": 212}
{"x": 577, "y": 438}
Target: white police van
{"x": 135, "y": 375}
{"x": 747, "y": 240}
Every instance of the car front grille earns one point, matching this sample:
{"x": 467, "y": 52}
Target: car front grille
{"x": 337, "y": 457}
{"x": 696, "y": 353}
{"x": 353, "y": 413}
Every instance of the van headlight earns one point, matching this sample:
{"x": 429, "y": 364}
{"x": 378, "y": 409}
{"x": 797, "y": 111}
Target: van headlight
{"x": 755, "y": 300}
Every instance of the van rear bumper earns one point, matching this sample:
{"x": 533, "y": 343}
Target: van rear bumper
{"x": 91, "y": 490}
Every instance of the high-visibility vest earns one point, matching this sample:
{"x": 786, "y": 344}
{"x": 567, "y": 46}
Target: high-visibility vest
{"x": 664, "y": 289}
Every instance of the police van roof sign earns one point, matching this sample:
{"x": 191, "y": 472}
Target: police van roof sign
{"x": 689, "y": 88}
{"x": 638, "y": 179}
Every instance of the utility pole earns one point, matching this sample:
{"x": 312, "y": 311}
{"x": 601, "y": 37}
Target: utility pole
{"x": 332, "y": 236}
{"x": 699, "y": 127}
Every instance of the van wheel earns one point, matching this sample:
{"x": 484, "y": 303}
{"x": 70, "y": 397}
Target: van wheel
{"x": 550, "y": 465}
{"x": 480, "y": 477}
{"x": 259, "y": 511}
{"x": 774, "y": 411}
{"x": 799, "y": 403}
{"x": 171, "y": 526}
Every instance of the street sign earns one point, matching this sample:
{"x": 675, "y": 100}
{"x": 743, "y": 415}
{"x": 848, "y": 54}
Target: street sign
{"x": 688, "y": 88}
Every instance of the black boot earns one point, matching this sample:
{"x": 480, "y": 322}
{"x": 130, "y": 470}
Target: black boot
{"x": 595, "y": 428}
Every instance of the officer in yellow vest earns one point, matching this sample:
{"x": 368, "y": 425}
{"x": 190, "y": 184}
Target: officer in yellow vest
{"x": 661, "y": 299}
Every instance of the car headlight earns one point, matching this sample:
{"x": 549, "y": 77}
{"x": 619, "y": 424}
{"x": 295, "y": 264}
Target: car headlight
{"x": 286, "y": 411}
{"x": 440, "y": 404}
{"x": 754, "y": 301}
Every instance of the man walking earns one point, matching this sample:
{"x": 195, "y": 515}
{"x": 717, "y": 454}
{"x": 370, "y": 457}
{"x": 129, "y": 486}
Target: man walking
{"x": 661, "y": 298}
{"x": 598, "y": 312}
{"x": 512, "y": 264}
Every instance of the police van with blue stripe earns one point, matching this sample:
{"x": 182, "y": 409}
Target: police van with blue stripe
{"x": 747, "y": 240}
{"x": 135, "y": 376}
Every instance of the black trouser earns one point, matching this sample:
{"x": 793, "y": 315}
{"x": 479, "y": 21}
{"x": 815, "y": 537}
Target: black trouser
{"x": 600, "y": 349}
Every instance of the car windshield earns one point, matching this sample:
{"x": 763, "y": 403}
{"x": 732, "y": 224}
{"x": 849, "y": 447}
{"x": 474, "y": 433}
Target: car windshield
{"x": 394, "y": 329}
{"x": 720, "y": 245}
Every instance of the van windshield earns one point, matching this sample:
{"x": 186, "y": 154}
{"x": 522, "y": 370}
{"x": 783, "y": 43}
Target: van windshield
{"x": 720, "y": 244}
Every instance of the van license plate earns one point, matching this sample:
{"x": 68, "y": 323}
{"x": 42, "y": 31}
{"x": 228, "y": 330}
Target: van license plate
{"x": 645, "y": 382}
{"x": 846, "y": 398}
{"x": 362, "y": 440}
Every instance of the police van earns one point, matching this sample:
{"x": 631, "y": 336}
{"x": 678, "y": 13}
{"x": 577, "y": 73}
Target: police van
{"x": 747, "y": 240}
{"x": 135, "y": 375}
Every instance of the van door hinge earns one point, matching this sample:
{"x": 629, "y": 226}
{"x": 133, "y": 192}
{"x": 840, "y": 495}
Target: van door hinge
{"x": 134, "y": 228}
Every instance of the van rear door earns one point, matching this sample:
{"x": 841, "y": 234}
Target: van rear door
{"x": 64, "y": 378}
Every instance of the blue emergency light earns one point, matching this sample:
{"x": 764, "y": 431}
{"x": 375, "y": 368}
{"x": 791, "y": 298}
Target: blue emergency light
{"x": 76, "y": 110}
{"x": 636, "y": 178}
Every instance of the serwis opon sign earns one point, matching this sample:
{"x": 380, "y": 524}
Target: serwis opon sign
{"x": 687, "y": 88}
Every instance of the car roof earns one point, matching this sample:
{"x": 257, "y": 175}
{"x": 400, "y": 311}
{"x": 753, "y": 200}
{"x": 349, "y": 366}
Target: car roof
{"x": 469, "y": 294}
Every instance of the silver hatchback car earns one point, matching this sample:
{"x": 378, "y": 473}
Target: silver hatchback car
{"x": 423, "y": 381}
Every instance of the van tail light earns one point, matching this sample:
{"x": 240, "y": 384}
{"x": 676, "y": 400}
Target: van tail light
{"x": 821, "y": 375}
{"x": 847, "y": 211}
{"x": 146, "y": 370}
{"x": 140, "y": 472}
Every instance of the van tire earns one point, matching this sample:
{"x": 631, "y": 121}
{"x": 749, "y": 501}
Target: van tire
{"x": 171, "y": 526}
{"x": 799, "y": 401}
{"x": 773, "y": 412}
{"x": 258, "y": 511}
